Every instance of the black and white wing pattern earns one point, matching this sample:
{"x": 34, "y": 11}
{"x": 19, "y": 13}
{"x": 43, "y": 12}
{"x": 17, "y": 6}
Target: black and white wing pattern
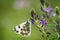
{"x": 24, "y": 29}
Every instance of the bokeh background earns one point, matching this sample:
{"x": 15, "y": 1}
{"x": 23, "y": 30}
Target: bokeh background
{"x": 12, "y": 15}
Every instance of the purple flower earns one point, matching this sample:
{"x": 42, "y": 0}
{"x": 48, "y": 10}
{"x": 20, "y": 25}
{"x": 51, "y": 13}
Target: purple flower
{"x": 43, "y": 22}
{"x": 46, "y": 23}
{"x": 49, "y": 9}
{"x": 53, "y": 14}
{"x": 32, "y": 20}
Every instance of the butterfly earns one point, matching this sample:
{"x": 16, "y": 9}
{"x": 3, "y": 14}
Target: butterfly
{"x": 24, "y": 29}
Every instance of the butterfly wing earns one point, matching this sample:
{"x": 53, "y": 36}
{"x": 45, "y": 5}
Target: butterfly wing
{"x": 24, "y": 29}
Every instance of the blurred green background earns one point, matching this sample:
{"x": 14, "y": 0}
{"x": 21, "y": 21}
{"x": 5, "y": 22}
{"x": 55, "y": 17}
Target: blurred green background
{"x": 10, "y": 17}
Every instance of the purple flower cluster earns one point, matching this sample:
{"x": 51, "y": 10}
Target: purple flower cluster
{"x": 48, "y": 9}
{"x": 43, "y": 22}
